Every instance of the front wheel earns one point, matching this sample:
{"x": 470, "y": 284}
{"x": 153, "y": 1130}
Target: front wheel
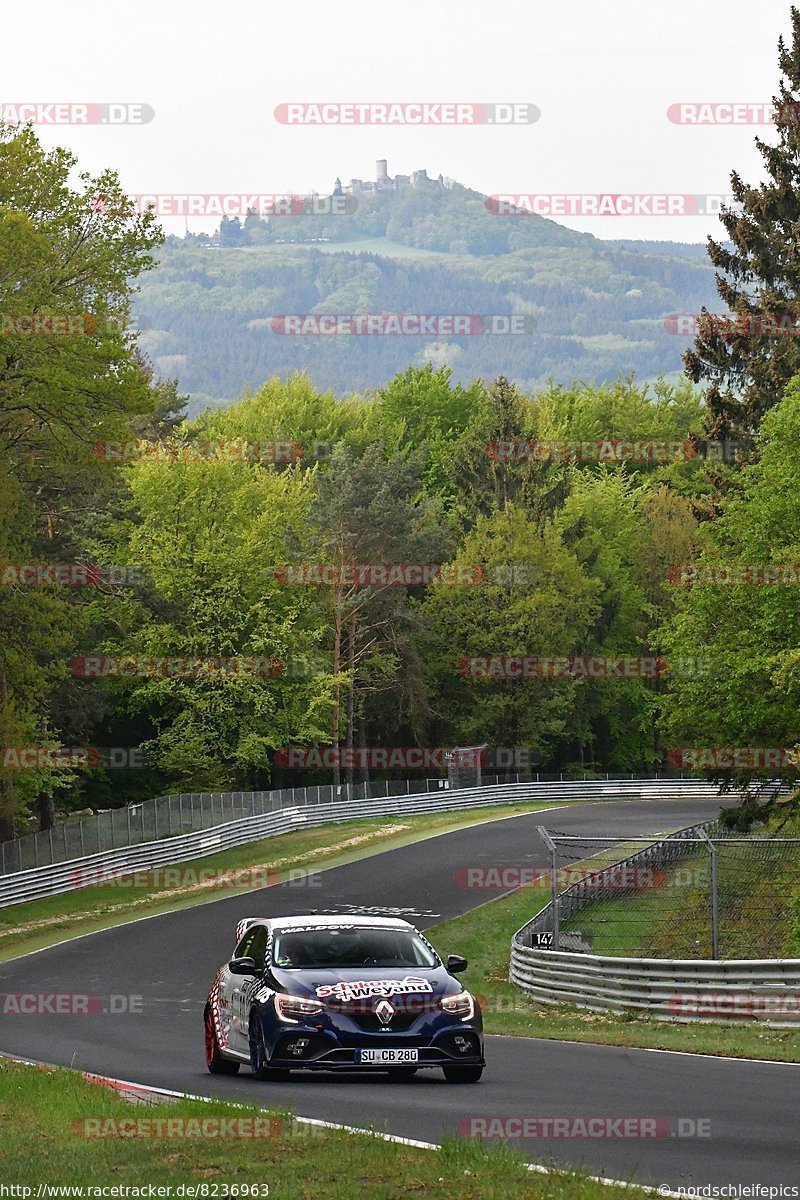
{"x": 458, "y": 1074}
{"x": 258, "y": 1053}
{"x": 216, "y": 1064}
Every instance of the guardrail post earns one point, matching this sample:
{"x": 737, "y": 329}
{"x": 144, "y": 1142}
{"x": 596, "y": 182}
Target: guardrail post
{"x": 551, "y": 846}
{"x": 712, "y": 849}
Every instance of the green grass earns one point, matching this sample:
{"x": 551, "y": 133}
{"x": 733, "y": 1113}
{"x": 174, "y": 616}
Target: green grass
{"x": 42, "y": 1114}
{"x": 757, "y": 917}
{"x": 484, "y": 935}
{"x": 668, "y": 921}
{"x": 382, "y": 246}
{"x": 39, "y": 923}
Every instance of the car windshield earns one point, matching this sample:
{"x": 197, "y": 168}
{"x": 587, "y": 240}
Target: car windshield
{"x": 351, "y": 947}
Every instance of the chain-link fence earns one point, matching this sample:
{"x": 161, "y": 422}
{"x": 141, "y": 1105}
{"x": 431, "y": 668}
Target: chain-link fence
{"x": 168, "y": 816}
{"x": 700, "y": 893}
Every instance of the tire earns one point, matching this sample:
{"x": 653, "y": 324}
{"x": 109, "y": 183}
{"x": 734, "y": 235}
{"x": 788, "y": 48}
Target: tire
{"x": 258, "y": 1053}
{"x": 459, "y": 1074}
{"x": 215, "y": 1063}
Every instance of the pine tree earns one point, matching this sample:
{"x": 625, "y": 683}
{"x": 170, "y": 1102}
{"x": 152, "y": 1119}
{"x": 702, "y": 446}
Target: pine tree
{"x": 747, "y": 362}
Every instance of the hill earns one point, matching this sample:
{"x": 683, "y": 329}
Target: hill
{"x": 595, "y": 309}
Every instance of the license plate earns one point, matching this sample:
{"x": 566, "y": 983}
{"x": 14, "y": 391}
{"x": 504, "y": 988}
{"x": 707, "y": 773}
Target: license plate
{"x": 387, "y": 1056}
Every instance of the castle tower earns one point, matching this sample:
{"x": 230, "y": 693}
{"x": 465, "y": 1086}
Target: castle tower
{"x": 382, "y": 172}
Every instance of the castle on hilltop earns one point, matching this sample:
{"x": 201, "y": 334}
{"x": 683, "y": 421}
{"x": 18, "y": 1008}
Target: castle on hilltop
{"x": 383, "y": 182}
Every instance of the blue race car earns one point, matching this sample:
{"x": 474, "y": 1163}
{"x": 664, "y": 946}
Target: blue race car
{"x": 338, "y": 993}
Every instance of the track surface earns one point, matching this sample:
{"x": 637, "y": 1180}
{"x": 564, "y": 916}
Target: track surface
{"x": 170, "y": 961}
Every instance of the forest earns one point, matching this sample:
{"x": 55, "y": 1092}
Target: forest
{"x": 290, "y": 588}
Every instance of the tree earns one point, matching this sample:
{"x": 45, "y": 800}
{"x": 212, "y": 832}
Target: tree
{"x": 601, "y": 525}
{"x": 745, "y": 368}
{"x": 210, "y": 533}
{"x": 365, "y": 514}
{"x": 749, "y": 634}
{"x": 484, "y": 476}
{"x": 424, "y": 413}
{"x": 69, "y": 377}
{"x": 497, "y": 619}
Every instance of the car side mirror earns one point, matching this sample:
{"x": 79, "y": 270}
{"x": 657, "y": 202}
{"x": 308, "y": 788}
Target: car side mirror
{"x": 243, "y": 966}
{"x": 456, "y": 963}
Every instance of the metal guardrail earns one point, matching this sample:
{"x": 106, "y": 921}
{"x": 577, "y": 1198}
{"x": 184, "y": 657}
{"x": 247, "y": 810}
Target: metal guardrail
{"x": 53, "y": 879}
{"x": 668, "y": 989}
{"x": 186, "y": 812}
{"x": 180, "y": 812}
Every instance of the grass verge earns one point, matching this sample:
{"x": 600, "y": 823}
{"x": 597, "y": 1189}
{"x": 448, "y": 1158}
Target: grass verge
{"x": 484, "y": 935}
{"x": 43, "y": 1115}
{"x": 40, "y": 923}
{"x": 757, "y": 890}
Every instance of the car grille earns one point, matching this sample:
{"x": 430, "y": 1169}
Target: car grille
{"x": 404, "y": 1017}
{"x": 369, "y": 1023}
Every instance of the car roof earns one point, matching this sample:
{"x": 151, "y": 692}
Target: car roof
{"x": 330, "y": 919}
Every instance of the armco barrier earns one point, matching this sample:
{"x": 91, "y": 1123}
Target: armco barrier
{"x": 64, "y": 877}
{"x": 189, "y": 812}
{"x": 667, "y": 989}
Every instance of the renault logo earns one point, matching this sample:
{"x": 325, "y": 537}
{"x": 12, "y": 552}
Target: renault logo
{"x": 384, "y": 1012}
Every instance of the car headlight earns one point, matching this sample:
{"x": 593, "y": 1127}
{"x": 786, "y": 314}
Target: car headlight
{"x": 289, "y": 1008}
{"x": 461, "y": 1005}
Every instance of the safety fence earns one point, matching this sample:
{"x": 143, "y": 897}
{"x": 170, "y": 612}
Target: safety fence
{"x": 189, "y": 812}
{"x": 284, "y": 816}
{"x": 671, "y": 931}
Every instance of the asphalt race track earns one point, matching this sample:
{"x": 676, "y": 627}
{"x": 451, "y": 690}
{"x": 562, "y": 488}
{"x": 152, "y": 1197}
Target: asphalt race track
{"x": 170, "y": 962}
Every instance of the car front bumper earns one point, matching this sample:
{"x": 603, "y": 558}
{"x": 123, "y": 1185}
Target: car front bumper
{"x": 330, "y": 1045}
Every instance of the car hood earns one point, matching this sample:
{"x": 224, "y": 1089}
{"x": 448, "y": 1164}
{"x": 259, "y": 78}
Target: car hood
{"x": 344, "y": 984}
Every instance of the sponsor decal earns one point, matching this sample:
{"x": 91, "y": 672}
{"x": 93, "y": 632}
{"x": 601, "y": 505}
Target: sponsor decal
{"x": 360, "y": 989}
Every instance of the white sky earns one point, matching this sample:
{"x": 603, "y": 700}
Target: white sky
{"x": 603, "y": 76}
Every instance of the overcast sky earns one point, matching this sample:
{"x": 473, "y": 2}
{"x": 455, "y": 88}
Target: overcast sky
{"x": 603, "y": 76}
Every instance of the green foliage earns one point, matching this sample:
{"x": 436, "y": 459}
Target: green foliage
{"x": 597, "y": 308}
{"x": 550, "y": 616}
{"x": 63, "y": 255}
{"x": 750, "y": 634}
{"x": 746, "y": 370}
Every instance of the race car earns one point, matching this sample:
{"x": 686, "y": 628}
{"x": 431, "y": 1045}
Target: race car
{"x": 340, "y": 993}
